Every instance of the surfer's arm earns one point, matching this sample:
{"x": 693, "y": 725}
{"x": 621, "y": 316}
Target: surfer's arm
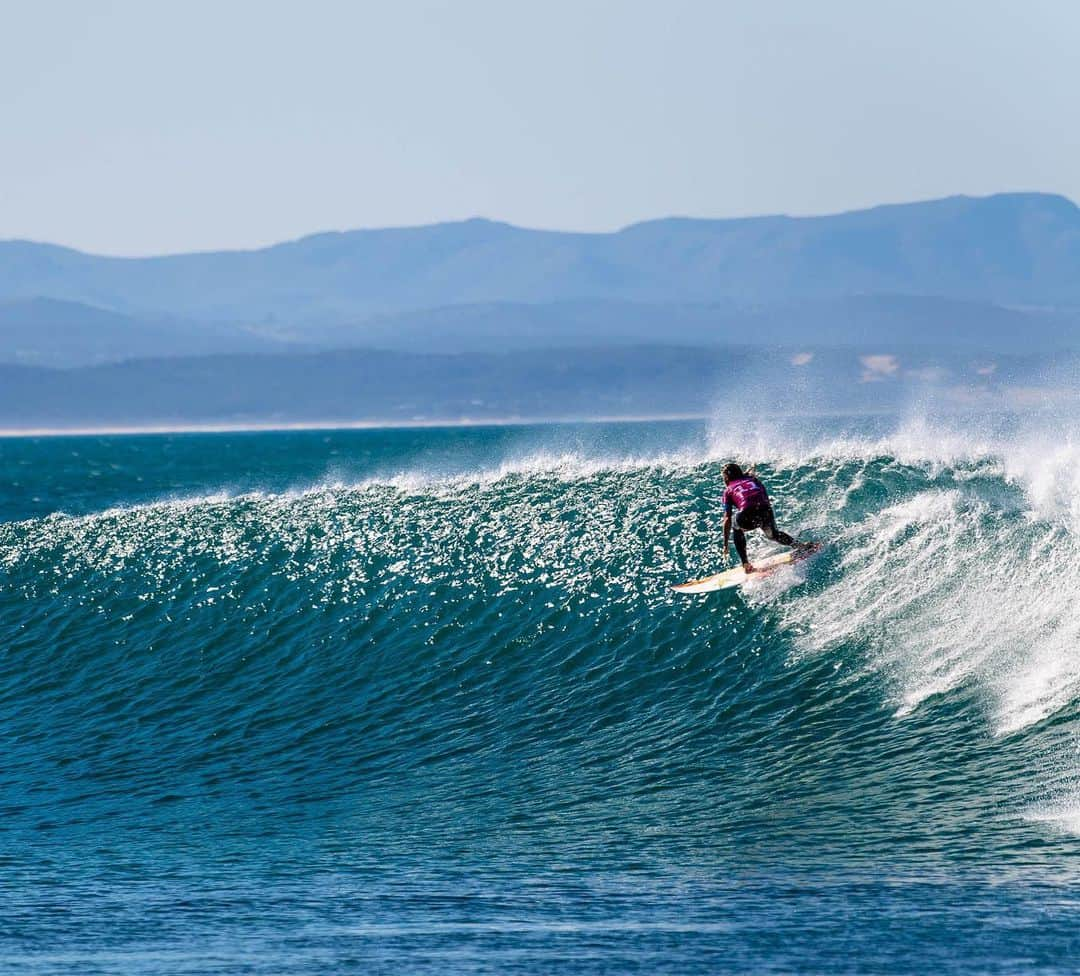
{"x": 727, "y": 530}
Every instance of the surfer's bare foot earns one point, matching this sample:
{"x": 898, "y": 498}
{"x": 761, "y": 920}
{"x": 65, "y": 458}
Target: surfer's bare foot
{"x": 747, "y": 568}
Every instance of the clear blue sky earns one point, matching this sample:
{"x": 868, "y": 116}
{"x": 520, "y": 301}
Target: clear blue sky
{"x": 139, "y": 126}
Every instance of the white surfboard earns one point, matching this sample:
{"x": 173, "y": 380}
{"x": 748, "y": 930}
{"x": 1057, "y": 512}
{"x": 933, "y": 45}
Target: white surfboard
{"x": 738, "y": 575}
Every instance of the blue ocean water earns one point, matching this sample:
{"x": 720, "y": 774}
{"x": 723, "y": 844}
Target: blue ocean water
{"x": 421, "y": 701}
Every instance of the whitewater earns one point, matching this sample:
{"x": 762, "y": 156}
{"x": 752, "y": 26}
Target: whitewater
{"x": 423, "y": 701}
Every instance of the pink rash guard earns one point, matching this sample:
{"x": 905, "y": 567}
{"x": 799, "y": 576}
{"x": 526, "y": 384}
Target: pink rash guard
{"x": 744, "y": 493}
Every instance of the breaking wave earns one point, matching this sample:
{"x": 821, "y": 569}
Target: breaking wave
{"x": 485, "y": 657}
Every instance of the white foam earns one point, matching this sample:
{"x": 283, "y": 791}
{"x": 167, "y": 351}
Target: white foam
{"x": 1063, "y": 816}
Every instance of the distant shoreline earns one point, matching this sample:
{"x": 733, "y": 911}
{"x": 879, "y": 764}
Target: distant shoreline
{"x": 331, "y": 425}
{"x": 135, "y": 430}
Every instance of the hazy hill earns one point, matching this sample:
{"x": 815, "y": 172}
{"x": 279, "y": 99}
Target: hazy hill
{"x": 1017, "y": 249}
{"x": 858, "y": 320}
{"x": 48, "y": 332}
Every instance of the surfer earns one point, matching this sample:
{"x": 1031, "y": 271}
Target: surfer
{"x": 746, "y": 496}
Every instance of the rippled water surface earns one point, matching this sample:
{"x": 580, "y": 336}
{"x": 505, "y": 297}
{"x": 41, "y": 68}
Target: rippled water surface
{"x": 422, "y": 701}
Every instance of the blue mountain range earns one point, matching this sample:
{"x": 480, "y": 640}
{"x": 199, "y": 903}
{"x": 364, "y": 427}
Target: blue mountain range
{"x": 965, "y": 276}
{"x": 1009, "y": 249}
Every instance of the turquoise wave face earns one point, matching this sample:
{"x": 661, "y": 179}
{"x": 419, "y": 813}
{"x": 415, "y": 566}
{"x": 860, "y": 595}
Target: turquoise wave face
{"x": 289, "y": 669}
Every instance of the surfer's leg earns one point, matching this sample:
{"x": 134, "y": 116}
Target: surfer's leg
{"x": 739, "y": 538}
{"x": 772, "y": 532}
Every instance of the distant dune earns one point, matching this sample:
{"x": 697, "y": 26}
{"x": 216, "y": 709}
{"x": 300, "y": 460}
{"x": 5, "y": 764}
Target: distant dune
{"x": 348, "y": 386}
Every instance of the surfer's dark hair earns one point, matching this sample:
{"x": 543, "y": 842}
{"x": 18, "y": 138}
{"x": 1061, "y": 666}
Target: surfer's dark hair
{"x": 732, "y": 471}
